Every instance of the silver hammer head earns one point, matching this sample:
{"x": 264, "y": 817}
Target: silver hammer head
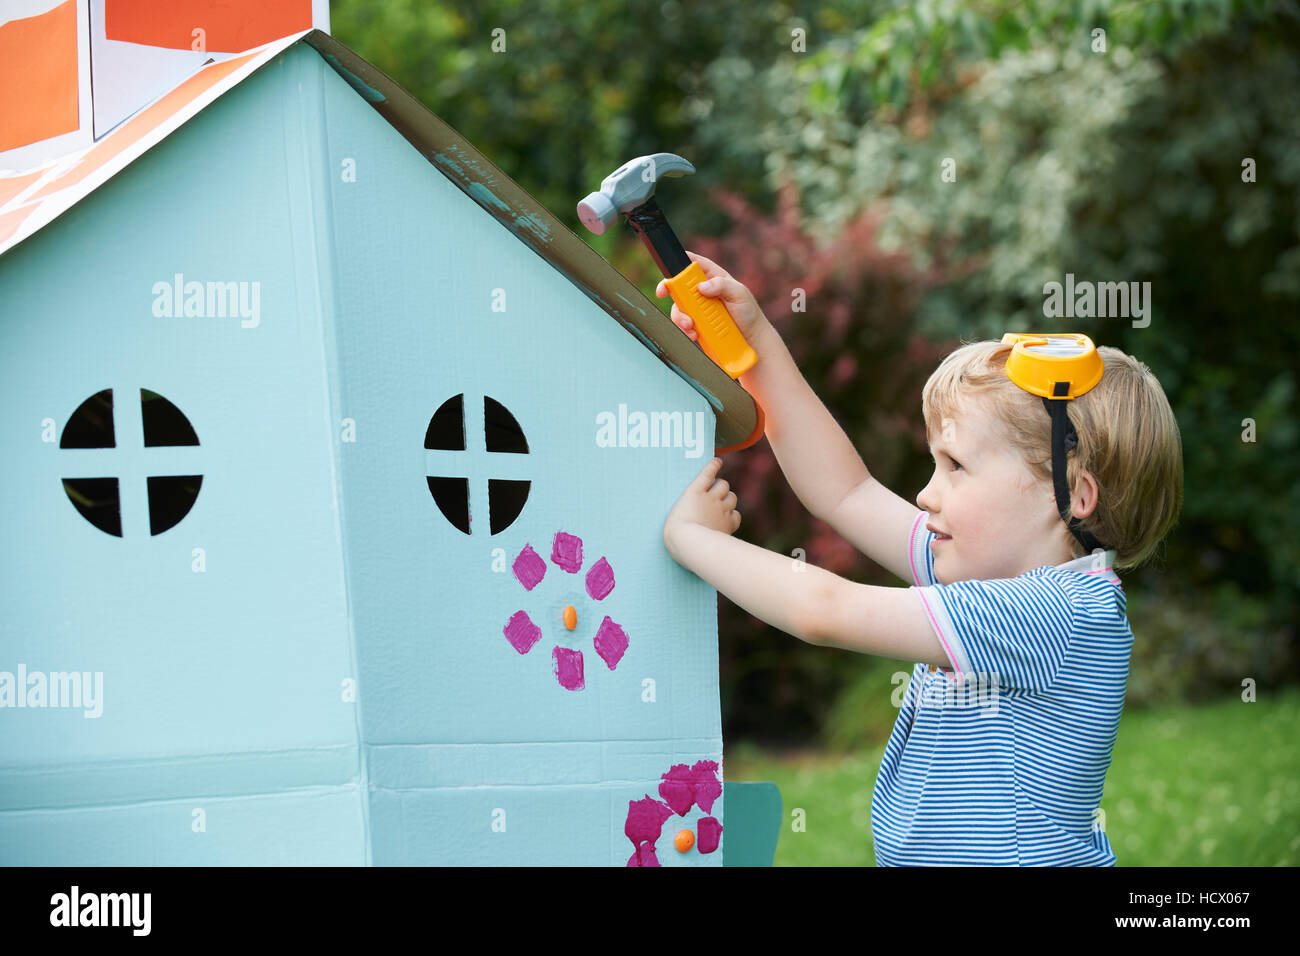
{"x": 628, "y": 187}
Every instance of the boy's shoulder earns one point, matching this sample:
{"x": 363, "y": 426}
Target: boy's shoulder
{"x": 1089, "y": 581}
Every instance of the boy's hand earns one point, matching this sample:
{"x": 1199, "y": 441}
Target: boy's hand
{"x": 737, "y": 300}
{"x": 705, "y": 502}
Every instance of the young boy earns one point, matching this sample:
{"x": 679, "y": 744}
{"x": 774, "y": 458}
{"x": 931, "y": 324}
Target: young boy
{"x": 1007, "y": 596}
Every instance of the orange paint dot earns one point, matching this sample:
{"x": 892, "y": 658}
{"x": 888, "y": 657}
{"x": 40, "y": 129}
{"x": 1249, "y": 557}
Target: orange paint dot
{"x": 684, "y": 840}
{"x": 570, "y": 617}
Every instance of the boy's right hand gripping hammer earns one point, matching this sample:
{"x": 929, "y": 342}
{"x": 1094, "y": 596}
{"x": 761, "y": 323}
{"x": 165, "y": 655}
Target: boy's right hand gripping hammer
{"x": 630, "y": 190}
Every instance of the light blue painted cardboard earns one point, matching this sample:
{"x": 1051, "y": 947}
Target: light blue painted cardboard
{"x": 227, "y": 733}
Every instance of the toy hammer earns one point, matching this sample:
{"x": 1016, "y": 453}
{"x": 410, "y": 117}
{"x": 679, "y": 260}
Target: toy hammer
{"x": 630, "y": 190}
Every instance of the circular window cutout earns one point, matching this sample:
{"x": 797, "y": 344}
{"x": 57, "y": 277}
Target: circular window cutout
{"x": 98, "y": 496}
{"x": 451, "y": 492}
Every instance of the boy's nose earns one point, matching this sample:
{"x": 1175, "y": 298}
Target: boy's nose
{"x": 925, "y": 500}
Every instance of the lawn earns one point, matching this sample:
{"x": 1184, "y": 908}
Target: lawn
{"x": 1214, "y": 785}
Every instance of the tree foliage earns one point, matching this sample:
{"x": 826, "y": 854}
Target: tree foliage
{"x": 1127, "y": 166}
{"x": 820, "y": 133}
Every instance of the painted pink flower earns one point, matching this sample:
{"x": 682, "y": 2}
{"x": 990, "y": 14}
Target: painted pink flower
{"x": 683, "y": 787}
{"x": 609, "y": 641}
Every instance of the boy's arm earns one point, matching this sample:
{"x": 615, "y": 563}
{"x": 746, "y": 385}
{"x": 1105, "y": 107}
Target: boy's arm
{"x": 821, "y": 464}
{"x": 809, "y": 602}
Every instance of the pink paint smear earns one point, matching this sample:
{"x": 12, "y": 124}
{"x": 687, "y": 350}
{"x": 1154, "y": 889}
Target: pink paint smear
{"x": 568, "y": 667}
{"x": 611, "y": 643}
{"x": 710, "y": 834}
{"x": 600, "y": 580}
{"x": 529, "y": 567}
{"x": 566, "y": 551}
{"x": 522, "y": 633}
{"x": 685, "y": 786}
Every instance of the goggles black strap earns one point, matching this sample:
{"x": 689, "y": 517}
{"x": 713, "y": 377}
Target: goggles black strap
{"x": 1064, "y": 439}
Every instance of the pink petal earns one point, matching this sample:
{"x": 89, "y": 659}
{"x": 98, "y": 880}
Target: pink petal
{"x": 529, "y": 567}
{"x": 611, "y": 642}
{"x": 566, "y": 551}
{"x": 568, "y": 667}
{"x": 678, "y": 789}
{"x": 710, "y": 833}
{"x": 521, "y": 632}
{"x": 706, "y": 784}
{"x": 600, "y": 580}
{"x": 645, "y": 820}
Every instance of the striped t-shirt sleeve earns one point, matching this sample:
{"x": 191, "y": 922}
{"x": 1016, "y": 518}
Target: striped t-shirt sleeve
{"x": 1018, "y": 629}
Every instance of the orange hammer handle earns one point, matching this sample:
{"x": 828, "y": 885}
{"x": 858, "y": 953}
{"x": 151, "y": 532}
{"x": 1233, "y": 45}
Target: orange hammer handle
{"x": 720, "y": 337}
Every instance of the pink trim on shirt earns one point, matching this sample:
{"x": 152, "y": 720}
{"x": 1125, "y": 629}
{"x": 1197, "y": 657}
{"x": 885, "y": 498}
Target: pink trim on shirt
{"x": 911, "y": 548}
{"x": 1099, "y": 571}
{"x": 939, "y": 632}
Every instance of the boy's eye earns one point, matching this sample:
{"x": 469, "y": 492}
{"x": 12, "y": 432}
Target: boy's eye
{"x": 956, "y": 465}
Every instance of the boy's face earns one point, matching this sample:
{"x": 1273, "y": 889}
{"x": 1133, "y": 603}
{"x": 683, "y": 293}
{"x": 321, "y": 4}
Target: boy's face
{"x": 1000, "y": 522}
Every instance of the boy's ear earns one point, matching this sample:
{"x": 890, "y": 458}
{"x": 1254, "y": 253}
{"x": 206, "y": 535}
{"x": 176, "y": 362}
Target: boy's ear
{"x": 1086, "y": 493}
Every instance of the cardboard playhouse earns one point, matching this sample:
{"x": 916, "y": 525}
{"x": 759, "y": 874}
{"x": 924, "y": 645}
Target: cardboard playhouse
{"x": 335, "y": 477}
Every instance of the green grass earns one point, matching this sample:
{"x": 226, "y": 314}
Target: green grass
{"x": 1215, "y": 785}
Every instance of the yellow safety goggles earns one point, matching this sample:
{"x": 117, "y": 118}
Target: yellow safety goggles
{"x": 1057, "y": 368}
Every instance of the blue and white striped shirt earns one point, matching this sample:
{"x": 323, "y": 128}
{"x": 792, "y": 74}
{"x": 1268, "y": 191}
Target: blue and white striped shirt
{"x": 1003, "y": 761}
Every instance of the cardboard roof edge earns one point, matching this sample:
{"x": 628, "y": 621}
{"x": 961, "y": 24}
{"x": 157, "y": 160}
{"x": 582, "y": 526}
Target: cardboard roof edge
{"x": 25, "y": 208}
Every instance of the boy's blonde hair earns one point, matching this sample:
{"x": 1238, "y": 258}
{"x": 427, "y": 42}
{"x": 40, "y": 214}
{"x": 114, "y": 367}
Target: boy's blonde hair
{"x": 1128, "y": 440}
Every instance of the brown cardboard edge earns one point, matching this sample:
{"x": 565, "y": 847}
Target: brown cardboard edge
{"x": 738, "y": 423}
